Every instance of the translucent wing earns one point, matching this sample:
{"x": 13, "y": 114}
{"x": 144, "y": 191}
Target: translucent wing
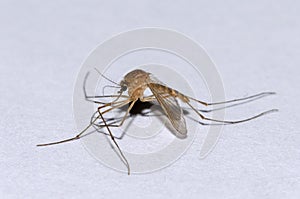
{"x": 169, "y": 104}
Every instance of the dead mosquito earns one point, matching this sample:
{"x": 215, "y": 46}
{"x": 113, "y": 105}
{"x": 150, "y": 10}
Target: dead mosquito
{"x": 135, "y": 83}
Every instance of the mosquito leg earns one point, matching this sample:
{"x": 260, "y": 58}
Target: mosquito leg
{"x": 87, "y": 127}
{"x": 73, "y": 138}
{"x": 123, "y": 119}
{"x": 112, "y": 124}
{"x": 235, "y": 100}
{"x": 231, "y": 122}
{"x": 120, "y": 104}
{"x": 109, "y": 86}
{"x": 109, "y": 131}
{"x": 115, "y": 142}
{"x": 89, "y": 98}
{"x": 145, "y": 99}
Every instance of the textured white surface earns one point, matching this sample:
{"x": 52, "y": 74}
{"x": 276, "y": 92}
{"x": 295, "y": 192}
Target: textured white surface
{"x": 255, "y": 46}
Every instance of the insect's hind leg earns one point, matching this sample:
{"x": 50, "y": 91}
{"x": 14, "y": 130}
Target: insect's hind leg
{"x": 231, "y": 122}
{"x": 257, "y": 96}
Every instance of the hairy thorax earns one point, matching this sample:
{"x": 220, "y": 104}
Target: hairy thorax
{"x": 136, "y": 83}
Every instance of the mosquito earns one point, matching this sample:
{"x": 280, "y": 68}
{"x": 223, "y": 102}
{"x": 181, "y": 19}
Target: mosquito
{"x": 135, "y": 83}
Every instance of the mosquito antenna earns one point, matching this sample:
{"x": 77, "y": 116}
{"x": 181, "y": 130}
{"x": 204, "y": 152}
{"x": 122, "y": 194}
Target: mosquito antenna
{"x": 90, "y": 98}
{"x": 106, "y": 77}
{"x": 111, "y": 82}
{"x": 235, "y": 100}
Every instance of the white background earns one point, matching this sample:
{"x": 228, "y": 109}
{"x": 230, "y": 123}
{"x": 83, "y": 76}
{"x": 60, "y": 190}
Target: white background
{"x": 254, "y": 45}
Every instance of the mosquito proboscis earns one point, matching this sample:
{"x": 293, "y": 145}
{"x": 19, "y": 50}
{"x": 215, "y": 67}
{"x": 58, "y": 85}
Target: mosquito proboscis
{"x": 135, "y": 83}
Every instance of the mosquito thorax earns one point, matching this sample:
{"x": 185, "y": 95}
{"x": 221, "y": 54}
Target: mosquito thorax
{"x": 135, "y": 74}
{"x": 136, "y": 82}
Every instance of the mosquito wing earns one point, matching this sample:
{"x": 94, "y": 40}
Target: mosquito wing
{"x": 170, "y": 106}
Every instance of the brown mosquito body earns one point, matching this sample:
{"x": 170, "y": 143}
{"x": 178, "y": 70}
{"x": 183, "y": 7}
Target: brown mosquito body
{"x": 135, "y": 83}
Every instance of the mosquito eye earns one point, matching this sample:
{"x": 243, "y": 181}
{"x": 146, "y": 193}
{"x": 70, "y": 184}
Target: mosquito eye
{"x": 124, "y": 88}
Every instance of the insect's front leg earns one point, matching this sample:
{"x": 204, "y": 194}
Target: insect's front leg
{"x": 118, "y": 106}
